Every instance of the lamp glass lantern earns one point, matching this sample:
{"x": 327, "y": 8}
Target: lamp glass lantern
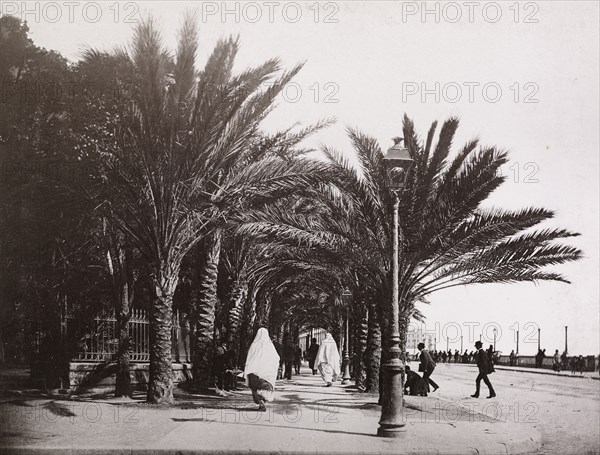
{"x": 398, "y": 162}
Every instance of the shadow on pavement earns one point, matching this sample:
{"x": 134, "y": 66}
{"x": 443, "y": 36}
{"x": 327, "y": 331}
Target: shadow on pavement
{"x": 199, "y": 419}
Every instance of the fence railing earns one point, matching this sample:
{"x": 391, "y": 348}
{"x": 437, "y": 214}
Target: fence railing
{"x": 590, "y": 362}
{"x": 99, "y": 342}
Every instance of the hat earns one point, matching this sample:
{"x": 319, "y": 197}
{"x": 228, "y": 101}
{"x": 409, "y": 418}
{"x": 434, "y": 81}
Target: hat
{"x": 478, "y": 344}
{"x": 420, "y": 345}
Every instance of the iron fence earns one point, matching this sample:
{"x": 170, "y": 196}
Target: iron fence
{"x": 98, "y": 341}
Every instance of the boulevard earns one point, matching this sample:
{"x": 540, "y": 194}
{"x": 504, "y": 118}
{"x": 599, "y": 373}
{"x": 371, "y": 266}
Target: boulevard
{"x": 533, "y": 411}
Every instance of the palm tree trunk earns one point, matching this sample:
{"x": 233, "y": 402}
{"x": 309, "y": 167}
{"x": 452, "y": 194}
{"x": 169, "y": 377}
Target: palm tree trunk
{"x": 123, "y": 379}
{"x": 373, "y": 352}
{"x": 336, "y": 333}
{"x": 263, "y": 312}
{"x": 120, "y": 266}
{"x": 238, "y": 297}
{"x": 360, "y": 347}
{"x": 204, "y": 310}
{"x": 160, "y": 384}
{"x": 247, "y": 329}
{"x": 403, "y": 327}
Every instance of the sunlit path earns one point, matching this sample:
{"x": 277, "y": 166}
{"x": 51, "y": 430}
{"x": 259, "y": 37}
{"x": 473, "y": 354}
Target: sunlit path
{"x": 306, "y": 417}
{"x": 565, "y": 409}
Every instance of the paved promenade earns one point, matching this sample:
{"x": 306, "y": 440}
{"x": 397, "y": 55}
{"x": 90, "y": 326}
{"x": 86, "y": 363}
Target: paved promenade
{"x": 305, "y": 418}
{"x": 543, "y": 413}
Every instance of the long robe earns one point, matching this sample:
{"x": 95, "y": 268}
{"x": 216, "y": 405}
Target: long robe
{"x": 328, "y": 359}
{"x": 261, "y": 367}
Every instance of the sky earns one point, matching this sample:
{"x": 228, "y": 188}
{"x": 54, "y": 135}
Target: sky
{"x": 522, "y": 76}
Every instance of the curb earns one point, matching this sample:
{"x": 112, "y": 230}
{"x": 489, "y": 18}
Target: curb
{"x": 592, "y": 375}
{"x": 503, "y": 368}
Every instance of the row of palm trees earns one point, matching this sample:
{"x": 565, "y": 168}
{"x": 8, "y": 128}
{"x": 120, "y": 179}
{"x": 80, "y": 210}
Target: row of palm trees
{"x": 187, "y": 173}
{"x": 243, "y": 229}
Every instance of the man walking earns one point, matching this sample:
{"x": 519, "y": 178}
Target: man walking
{"x": 312, "y": 355}
{"x": 427, "y": 366}
{"x": 288, "y": 358}
{"x": 278, "y": 350}
{"x": 297, "y": 359}
{"x": 485, "y": 368}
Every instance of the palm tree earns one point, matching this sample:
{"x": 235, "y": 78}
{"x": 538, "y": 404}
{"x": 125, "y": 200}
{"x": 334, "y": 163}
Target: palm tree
{"x": 447, "y": 239}
{"x": 277, "y": 159}
{"x": 165, "y": 161}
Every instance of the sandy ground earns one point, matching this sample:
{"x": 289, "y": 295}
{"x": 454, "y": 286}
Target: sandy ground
{"x": 565, "y": 409}
{"x": 308, "y": 417}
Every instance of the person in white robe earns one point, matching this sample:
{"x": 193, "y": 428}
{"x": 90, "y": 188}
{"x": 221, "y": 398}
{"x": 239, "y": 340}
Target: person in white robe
{"x": 261, "y": 367}
{"x": 328, "y": 360}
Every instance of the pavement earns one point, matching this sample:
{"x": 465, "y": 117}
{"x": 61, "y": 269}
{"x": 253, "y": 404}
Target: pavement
{"x": 305, "y": 417}
{"x": 544, "y": 371}
{"x": 565, "y": 373}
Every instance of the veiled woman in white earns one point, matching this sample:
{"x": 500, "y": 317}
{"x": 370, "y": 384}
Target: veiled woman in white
{"x": 328, "y": 360}
{"x": 262, "y": 363}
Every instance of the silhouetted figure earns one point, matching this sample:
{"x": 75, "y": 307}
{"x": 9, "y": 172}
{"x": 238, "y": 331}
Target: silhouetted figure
{"x": 485, "y": 368}
{"x": 465, "y": 357}
{"x": 288, "y": 358}
{"x": 564, "y": 360}
{"x": 556, "y": 361}
{"x": 580, "y": 364}
{"x": 456, "y": 356}
{"x": 230, "y": 367}
{"x": 573, "y": 364}
{"x": 414, "y": 385}
{"x": 512, "y": 358}
{"x": 490, "y": 354}
{"x": 313, "y": 350}
{"x": 219, "y": 366}
{"x": 279, "y": 353}
{"x": 297, "y": 358}
{"x": 539, "y": 358}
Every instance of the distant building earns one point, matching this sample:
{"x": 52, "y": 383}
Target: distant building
{"x": 413, "y": 338}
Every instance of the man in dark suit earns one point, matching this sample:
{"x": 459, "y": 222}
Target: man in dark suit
{"x": 427, "y": 365}
{"x": 278, "y": 349}
{"x": 288, "y": 358}
{"x": 485, "y": 367}
{"x": 313, "y": 350}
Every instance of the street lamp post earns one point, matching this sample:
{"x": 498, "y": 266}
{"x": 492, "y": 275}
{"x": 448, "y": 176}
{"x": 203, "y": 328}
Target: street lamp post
{"x": 495, "y": 331}
{"x": 346, "y": 294}
{"x": 398, "y": 161}
{"x": 566, "y": 347}
{"x": 539, "y": 334}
